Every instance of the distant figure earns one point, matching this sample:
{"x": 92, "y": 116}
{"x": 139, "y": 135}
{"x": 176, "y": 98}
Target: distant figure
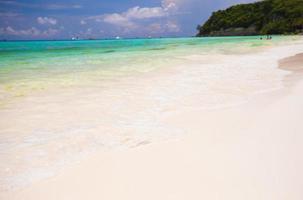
{"x": 261, "y": 38}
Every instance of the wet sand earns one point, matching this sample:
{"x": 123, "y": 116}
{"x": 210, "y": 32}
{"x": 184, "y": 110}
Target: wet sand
{"x": 293, "y": 64}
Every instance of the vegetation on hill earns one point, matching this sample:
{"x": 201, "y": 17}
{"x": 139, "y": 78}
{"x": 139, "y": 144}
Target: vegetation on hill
{"x": 262, "y": 17}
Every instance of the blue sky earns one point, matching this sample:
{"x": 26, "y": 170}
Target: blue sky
{"x": 62, "y": 19}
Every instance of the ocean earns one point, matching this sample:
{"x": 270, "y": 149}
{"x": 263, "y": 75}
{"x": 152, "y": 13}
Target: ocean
{"x": 28, "y": 66}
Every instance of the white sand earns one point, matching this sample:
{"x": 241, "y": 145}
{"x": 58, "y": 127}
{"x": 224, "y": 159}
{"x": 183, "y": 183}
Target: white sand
{"x": 240, "y": 154}
{"x": 252, "y": 151}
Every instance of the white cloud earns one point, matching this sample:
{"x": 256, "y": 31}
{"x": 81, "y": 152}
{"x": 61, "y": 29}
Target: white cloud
{"x": 46, "y": 20}
{"x": 11, "y": 31}
{"x": 172, "y": 27}
{"x": 118, "y": 20}
{"x": 33, "y": 31}
{"x": 144, "y": 20}
{"x": 155, "y": 28}
{"x": 144, "y": 13}
{"x": 50, "y": 32}
{"x": 169, "y": 26}
{"x": 83, "y": 22}
{"x": 126, "y": 19}
{"x": 171, "y": 5}
{"x": 88, "y": 33}
{"x": 129, "y": 17}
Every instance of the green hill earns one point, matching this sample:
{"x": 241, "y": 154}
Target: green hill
{"x": 263, "y": 17}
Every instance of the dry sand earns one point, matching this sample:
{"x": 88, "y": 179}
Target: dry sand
{"x": 247, "y": 152}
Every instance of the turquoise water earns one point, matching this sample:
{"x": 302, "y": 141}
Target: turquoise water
{"x": 67, "y": 56}
{"x": 27, "y": 66}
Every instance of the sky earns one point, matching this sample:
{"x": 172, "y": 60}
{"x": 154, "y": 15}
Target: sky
{"x": 64, "y": 19}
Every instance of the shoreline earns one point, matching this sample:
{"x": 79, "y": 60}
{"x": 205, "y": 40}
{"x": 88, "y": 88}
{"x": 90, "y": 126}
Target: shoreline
{"x": 136, "y": 171}
{"x": 10, "y": 92}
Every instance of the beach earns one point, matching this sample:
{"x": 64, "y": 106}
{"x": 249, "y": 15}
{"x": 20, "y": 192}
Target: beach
{"x": 174, "y": 119}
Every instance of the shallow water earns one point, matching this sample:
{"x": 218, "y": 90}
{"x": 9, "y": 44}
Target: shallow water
{"x": 38, "y": 65}
{"x": 62, "y": 100}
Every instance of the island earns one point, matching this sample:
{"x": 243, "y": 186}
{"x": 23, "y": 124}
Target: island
{"x": 259, "y": 18}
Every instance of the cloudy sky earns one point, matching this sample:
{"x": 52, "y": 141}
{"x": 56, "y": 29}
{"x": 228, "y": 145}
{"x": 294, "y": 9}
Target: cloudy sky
{"x": 62, "y": 19}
